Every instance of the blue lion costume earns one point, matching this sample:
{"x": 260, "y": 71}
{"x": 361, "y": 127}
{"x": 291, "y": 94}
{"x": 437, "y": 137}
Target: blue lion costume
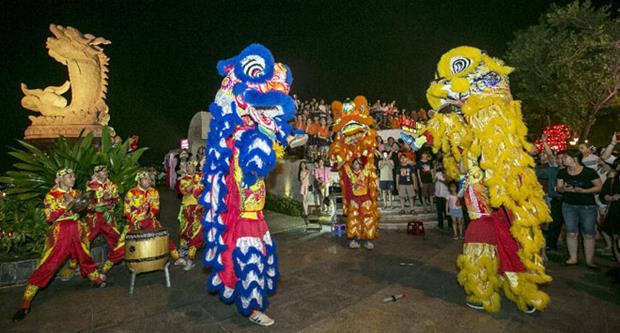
{"x": 248, "y": 132}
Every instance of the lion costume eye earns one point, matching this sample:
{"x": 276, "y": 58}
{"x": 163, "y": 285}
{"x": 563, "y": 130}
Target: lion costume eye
{"x": 253, "y": 66}
{"x": 459, "y": 64}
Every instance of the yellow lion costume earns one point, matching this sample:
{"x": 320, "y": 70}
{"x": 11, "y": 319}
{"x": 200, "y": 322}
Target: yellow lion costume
{"x": 353, "y": 150}
{"x": 479, "y": 129}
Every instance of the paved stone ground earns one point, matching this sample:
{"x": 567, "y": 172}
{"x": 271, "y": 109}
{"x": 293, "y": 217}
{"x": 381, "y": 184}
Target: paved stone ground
{"x": 325, "y": 287}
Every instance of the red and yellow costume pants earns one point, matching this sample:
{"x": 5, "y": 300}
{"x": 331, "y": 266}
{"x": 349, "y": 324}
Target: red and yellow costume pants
{"x": 66, "y": 238}
{"x": 362, "y": 220}
{"x": 99, "y": 223}
{"x": 490, "y": 261}
{"x": 191, "y": 228}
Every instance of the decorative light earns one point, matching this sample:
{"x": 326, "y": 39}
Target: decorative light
{"x": 557, "y": 136}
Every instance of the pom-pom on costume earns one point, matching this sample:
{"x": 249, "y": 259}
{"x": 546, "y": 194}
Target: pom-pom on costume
{"x": 67, "y": 237}
{"x": 479, "y": 129}
{"x": 190, "y": 214}
{"x": 356, "y": 140}
{"x": 248, "y": 130}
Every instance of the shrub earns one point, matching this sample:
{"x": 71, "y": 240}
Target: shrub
{"x": 284, "y": 205}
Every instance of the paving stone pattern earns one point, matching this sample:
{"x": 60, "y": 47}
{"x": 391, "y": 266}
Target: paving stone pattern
{"x": 325, "y": 287}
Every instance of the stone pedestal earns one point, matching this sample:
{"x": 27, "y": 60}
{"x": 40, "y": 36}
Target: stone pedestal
{"x": 54, "y": 131}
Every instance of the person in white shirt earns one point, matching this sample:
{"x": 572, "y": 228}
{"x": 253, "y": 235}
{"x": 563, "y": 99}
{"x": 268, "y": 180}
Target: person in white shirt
{"x": 441, "y": 194}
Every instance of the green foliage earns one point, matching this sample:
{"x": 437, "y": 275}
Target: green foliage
{"x": 283, "y": 205}
{"x": 34, "y": 174}
{"x": 568, "y": 66}
{"x": 23, "y": 227}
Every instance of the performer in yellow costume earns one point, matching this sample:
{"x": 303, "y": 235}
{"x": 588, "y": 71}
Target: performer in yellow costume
{"x": 190, "y": 213}
{"x": 479, "y": 129}
{"x": 353, "y": 151}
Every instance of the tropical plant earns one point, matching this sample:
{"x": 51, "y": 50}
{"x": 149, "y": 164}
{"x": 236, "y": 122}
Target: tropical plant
{"x": 22, "y": 227}
{"x": 34, "y": 174}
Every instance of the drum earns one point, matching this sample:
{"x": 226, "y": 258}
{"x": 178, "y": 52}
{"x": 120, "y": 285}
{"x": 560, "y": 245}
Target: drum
{"x": 81, "y": 202}
{"x": 146, "y": 250}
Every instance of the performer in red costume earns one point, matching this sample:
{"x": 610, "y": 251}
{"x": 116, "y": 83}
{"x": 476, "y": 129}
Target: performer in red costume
{"x": 67, "y": 237}
{"x": 100, "y": 220}
{"x": 357, "y": 194}
{"x": 190, "y": 214}
{"x": 141, "y": 210}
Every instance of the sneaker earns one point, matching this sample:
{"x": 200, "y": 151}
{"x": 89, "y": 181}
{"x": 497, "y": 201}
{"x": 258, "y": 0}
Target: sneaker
{"x": 21, "y": 314}
{"x": 455, "y": 237}
{"x": 102, "y": 285}
{"x": 180, "y": 262}
{"x": 189, "y": 265}
{"x": 354, "y": 244}
{"x": 66, "y": 274}
{"x": 369, "y": 245}
{"x": 261, "y": 319}
{"x": 474, "y": 306}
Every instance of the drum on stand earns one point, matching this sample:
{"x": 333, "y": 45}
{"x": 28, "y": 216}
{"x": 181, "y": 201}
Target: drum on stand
{"x": 147, "y": 251}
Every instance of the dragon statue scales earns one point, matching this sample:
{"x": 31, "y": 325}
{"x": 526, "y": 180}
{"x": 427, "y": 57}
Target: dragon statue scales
{"x": 87, "y": 66}
{"x": 478, "y": 127}
{"x": 353, "y": 151}
{"x": 248, "y": 132}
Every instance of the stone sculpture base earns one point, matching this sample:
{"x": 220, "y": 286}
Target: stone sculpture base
{"x": 54, "y": 131}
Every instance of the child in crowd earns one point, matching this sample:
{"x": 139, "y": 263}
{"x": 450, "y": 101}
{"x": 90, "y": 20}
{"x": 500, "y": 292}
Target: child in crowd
{"x": 455, "y": 211}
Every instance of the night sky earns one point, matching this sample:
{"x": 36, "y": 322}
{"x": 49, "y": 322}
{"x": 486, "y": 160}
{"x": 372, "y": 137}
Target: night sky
{"x": 163, "y": 54}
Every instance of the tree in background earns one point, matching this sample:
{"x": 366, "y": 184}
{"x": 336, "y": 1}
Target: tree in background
{"x": 568, "y": 66}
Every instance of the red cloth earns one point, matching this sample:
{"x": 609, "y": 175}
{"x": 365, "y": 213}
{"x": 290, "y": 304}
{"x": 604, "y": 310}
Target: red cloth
{"x": 237, "y": 227}
{"x": 495, "y": 230}
{"x": 348, "y": 190}
{"x": 98, "y": 225}
{"x": 63, "y": 241}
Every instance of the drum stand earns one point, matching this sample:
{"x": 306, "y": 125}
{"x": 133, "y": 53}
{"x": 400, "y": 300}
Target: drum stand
{"x": 133, "y": 278}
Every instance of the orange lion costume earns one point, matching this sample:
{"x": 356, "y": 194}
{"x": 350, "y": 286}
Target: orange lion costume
{"x": 353, "y": 151}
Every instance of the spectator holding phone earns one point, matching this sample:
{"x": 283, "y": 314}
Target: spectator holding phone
{"x": 578, "y": 184}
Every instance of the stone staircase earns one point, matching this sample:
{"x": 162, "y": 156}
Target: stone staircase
{"x": 390, "y": 218}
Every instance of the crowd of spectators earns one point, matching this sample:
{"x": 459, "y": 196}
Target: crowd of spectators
{"x": 582, "y": 190}
{"x": 314, "y": 117}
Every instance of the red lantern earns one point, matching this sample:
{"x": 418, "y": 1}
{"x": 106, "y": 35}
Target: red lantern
{"x": 556, "y": 135}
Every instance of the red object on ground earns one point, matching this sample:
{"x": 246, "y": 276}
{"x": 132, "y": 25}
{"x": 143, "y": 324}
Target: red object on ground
{"x": 416, "y": 228}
